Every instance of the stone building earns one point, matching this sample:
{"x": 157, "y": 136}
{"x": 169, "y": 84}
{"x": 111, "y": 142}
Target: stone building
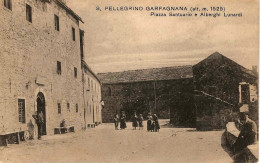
{"x": 221, "y": 87}
{"x": 150, "y": 90}
{"x": 91, "y": 96}
{"x": 42, "y": 67}
{"x": 206, "y": 95}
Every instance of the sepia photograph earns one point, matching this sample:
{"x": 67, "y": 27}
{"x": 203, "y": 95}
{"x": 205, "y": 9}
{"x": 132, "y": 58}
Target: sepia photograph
{"x": 129, "y": 81}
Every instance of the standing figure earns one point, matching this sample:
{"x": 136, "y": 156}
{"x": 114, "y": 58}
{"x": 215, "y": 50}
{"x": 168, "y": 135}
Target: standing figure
{"x": 149, "y": 122}
{"x": 247, "y": 136}
{"x": 135, "y": 121}
{"x": 140, "y": 120}
{"x": 152, "y": 128}
{"x": 39, "y": 118}
{"x": 156, "y": 123}
{"x": 116, "y": 120}
{"x": 122, "y": 120}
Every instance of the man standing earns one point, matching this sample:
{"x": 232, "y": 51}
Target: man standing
{"x": 247, "y": 136}
{"x": 39, "y": 118}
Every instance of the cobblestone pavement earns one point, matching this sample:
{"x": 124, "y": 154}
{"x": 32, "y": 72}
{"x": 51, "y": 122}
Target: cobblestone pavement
{"x": 104, "y": 144}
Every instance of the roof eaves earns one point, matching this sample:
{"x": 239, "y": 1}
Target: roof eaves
{"x": 69, "y": 10}
{"x": 89, "y": 69}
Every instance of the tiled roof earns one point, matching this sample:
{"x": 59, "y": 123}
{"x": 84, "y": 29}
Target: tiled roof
{"x": 166, "y": 73}
{"x": 216, "y": 57}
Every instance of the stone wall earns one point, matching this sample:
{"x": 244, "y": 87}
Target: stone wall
{"x": 152, "y": 96}
{"x": 212, "y": 113}
{"x": 217, "y": 81}
{"x": 28, "y": 65}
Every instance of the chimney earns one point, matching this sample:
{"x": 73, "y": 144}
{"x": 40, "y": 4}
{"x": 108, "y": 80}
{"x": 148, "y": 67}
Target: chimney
{"x": 254, "y": 69}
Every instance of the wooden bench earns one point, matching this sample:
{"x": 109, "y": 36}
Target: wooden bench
{"x": 91, "y": 125}
{"x": 97, "y": 123}
{"x": 13, "y": 137}
{"x": 61, "y": 130}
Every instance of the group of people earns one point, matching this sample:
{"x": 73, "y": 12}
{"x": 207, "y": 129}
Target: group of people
{"x": 121, "y": 119}
{"x": 153, "y": 123}
{"x": 137, "y": 121}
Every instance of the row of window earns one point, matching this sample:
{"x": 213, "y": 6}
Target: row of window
{"x": 59, "y": 69}
{"x": 21, "y": 109}
{"x": 68, "y": 108}
{"x": 90, "y": 108}
{"x": 8, "y": 5}
{"x": 92, "y": 85}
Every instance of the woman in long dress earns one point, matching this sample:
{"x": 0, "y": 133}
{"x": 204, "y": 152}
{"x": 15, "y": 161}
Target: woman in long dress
{"x": 156, "y": 123}
{"x": 123, "y": 121}
{"x": 135, "y": 123}
{"x": 149, "y": 122}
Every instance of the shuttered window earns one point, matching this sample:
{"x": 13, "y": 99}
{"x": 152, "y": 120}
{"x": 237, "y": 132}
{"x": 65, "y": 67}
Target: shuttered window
{"x": 28, "y": 13}
{"x": 8, "y": 4}
{"x": 21, "y": 110}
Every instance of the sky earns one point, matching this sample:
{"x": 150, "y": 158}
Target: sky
{"x": 128, "y": 40}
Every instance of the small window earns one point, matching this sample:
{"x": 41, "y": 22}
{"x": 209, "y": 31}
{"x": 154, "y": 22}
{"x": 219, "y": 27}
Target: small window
{"x": 28, "y": 13}
{"x": 77, "y": 108}
{"x": 59, "y": 108}
{"x": 8, "y": 4}
{"x": 57, "y": 23}
{"x": 90, "y": 108}
{"x": 88, "y": 82}
{"x": 75, "y": 72}
{"x": 59, "y": 67}
{"x": 73, "y": 34}
{"x": 91, "y": 84}
{"x": 68, "y": 107}
{"x": 245, "y": 94}
{"x": 21, "y": 110}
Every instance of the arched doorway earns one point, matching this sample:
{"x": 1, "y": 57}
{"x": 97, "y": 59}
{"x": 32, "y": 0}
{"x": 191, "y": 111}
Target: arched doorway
{"x": 41, "y": 107}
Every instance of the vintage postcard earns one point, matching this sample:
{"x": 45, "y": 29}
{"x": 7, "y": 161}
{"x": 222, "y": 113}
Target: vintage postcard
{"x": 129, "y": 81}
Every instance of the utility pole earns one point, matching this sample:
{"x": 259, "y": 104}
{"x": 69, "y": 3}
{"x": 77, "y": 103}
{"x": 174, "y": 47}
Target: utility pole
{"x": 84, "y": 105}
{"x": 155, "y": 101}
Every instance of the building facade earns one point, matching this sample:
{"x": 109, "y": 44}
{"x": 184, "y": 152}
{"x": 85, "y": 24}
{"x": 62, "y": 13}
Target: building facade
{"x": 150, "y": 90}
{"x": 41, "y": 55}
{"x": 92, "y": 96}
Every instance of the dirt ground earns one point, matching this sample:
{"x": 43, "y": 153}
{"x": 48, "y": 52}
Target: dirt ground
{"x": 104, "y": 144}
